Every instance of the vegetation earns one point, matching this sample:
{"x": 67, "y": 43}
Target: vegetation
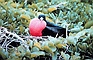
{"x": 14, "y": 20}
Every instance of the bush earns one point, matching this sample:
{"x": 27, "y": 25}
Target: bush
{"x": 15, "y": 18}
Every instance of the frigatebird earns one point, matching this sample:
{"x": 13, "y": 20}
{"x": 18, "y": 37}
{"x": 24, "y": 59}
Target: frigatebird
{"x": 41, "y": 27}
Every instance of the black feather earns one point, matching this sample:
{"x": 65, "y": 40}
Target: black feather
{"x": 53, "y": 29}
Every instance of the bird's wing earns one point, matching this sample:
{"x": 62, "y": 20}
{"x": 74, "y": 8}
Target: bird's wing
{"x": 52, "y": 28}
{"x": 49, "y": 32}
{"x": 52, "y": 24}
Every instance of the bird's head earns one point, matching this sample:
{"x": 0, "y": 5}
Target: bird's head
{"x": 42, "y": 17}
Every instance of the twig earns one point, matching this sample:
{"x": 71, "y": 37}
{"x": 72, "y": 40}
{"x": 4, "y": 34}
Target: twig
{"x": 9, "y": 43}
{"x": 56, "y": 35}
{"x": 4, "y": 42}
{"x": 60, "y": 4}
{"x": 67, "y": 25}
{"x": 9, "y": 39}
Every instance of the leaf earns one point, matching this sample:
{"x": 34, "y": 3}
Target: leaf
{"x": 72, "y": 40}
{"x": 1, "y": 22}
{"x": 12, "y": 26}
{"x": 38, "y": 53}
{"x": 20, "y": 6}
{"x": 48, "y": 19}
{"x": 10, "y": 21}
{"x": 83, "y": 46}
{"x": 52, "y": 9}
{"x": 57, "y": 42}
{"x": 22, "y": 50}
{"x": 3, "y": 53}
{"x": 18, "y": 54}
{"x": 14, "y": 5}
{"x": 60, "y": 14}
{"x": 60, "y": 45}
{"x": 45, "y": 11}
{"x": 50, "y": 43}
{"x": 28, "y": 53}
{"x": 65, "y": 56}
{"x": 16, "y": 13}
{"x": 77, "y": 54}
{"x": 89, "y": 24}
{"x": 34, "y": 6}
{"x": 91, "y": 31}
{"x": 38, "y": 45}
{"x": 21, "y": 28}
{"x": 53, "y": 48}
{"x": 48, "y": 49}
{"x": 76, "y": 29}
{"x": 81, "y": 33}
{"x": 30, "y": 43}
{"x": 33, "y": 55}
{"x": 75, "y": 57}
{"x": 53, "y": 1}
{"x": 14, "y": 58}
{"x": 24, "y": 16}
{"x": 54, "y": 57}
{"x": 52, "y": 16}
{"x": 45, "y": 43}
{"x": 2, "y": 0}
{"x": 34, "y": 49}
{"x": 40, "y": 4}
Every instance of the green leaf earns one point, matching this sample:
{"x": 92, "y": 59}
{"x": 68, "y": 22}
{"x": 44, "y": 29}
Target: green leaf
{"x": 89, "y": 24}
{"x": 34, "y": 49}
{"x": 21, "y": 28}
{"x": 65, "y": 56}
{"x": 47, "y": 49}
{"x": 75, "y": 57}
{"x": 72, "y": 40}
{"x": 3, "y": 53}
{"x": 53, "y": 1}
{"x": 83, "y": 46}
{"x": 30, "y": 43}
{"x": 53, "y": 48}
{"x": 54, "y": 57}
{"x": 37, "y": 53}
{"x": 52, "y": 16}
{"x": 1, "y": 22}
{"x": 22, "y": 50}
{"x": 38, "y": 45}
{"x": 60, "y": 14}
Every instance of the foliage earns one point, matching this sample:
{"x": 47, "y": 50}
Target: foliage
{"x": 16, "y": 17}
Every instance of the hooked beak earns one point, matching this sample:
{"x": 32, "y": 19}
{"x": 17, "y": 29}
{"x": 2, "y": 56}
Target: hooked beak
{"x": 41, "y": 18}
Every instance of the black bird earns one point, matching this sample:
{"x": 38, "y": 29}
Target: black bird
{"x": 52, "y": 29}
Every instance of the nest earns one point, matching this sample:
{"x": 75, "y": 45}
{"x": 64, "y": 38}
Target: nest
{"x": 8, "y": 39}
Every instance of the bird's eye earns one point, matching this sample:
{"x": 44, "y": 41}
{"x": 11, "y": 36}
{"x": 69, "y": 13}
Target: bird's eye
{"x": 41, "y": 18}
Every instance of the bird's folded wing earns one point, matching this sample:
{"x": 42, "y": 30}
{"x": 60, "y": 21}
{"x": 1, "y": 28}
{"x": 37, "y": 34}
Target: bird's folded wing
{"x": 52, "y": 24}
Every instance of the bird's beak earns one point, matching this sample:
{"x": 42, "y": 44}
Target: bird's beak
{"x": 41, "y": 18}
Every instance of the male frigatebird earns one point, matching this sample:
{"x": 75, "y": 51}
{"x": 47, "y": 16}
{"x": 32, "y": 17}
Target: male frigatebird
{"x": 41, "y": 27}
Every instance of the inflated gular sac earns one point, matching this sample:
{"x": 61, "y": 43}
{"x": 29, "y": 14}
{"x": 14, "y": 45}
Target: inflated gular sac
{"x": 36, "y": 26}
